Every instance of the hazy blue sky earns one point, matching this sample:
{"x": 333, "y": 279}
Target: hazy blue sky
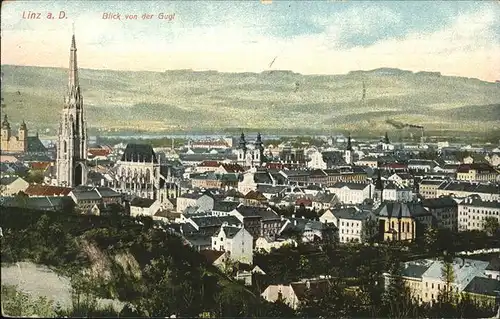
{"x": 454, "y": 37}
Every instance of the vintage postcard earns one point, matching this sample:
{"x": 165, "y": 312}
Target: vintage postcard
{"x": 319, "y": 158}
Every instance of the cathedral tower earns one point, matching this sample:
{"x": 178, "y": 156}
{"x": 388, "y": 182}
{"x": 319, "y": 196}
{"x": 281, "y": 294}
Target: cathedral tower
{"x": 72, "y": 142}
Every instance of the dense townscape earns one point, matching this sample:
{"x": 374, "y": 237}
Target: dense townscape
{"x": 249, "y": 226}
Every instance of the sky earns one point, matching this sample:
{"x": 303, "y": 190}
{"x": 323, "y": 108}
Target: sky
{"x": 458, "y": 38}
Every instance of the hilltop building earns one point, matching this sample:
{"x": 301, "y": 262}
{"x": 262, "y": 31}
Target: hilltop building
{"x": 71, "y": 160}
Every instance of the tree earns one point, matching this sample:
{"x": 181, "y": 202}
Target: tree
{"x": 491, "y": 225}
{"x": 397, "y": 298}
{"x": 448, "y": 276}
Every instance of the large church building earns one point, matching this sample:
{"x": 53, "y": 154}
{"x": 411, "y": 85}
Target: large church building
{"x": 71, "y": 160}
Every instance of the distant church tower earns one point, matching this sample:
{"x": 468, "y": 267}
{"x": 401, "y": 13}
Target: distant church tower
{"x": 242, "y": 149}
{"x": 348, "y": 151}
{"x": 72, "y": 143}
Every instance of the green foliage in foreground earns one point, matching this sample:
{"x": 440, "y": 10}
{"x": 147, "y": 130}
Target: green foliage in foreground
{"x": 172, "y": 278}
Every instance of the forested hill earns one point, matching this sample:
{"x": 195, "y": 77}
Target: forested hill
{"x": 191, "y": 100}
{"x": 118, "y": 257}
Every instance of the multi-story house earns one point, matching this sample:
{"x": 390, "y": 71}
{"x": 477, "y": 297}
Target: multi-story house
{"x": 12, "y": 185}
{"x": 255, "y": 177}
{"x": 421, "y": 165}
{"x": 214, "y": 180}
{"x": 353, "y": 193}
{"x": 402, "y": 179}
{"x": 473, "y": 211}
{"x": 425, "y": 279}
{"x": 324, "y": 200}
{"x": 487, "y": 191}
{"x": 444, "y": 210}
{"x": 395, "y": 192}
{"x": 368, "y": 161}
{"x": 428, "y": 187}
{"x": 144, "y": 207}
{"x": 203, "y": 201}
{"x": 328, "y": 177}
{"x": 477, "y": 172}
{"x": 236, "y": 241}
{"x": 355, "y": 225}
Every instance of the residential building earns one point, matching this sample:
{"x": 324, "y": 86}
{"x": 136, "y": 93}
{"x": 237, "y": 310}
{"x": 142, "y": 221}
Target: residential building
{"x": 267, "y": 244}
{"x": 395, "y": 192}
{"x": 295, "y": 293}
{"x": 444, "y": 210}
{"x": 38, "y": 190}
{"x": 487, "y": 191}
{"x": 352, "y": 193}
{"x": 12, "y": 185}
{"x": 355, "y": 225}
{"x": 421, "y": 165}
{"x": 144, "y": 206}
{"x": 214, "y": 180}
{"x": 237, "y": 241}
{"x": 481, "y": 172}
{"x": 473, "y": 211}
{"x": 86, "y": 197}
{"x": 428, "y": 188}
{"x": 203, "y": 201}
{"x": 368, "y": 161}
{"x": 425, "y": 279}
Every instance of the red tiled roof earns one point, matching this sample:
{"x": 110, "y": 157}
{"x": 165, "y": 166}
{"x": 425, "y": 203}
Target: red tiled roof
{"x": 211, "y": 255}
{"x": 46, "y": 190}
{"x": 98, "y": 152}
{"x": 232, "y": 168}
{"x": 39, "y": 165}
{"x": 304, "y": 201}
{"x": 209, "y": 164}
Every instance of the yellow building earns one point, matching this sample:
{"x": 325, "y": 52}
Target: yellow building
{"x": 477, "y": 172}
{"x": 11, "y": 143}
{"x": 425, "y": 279}
{"x": 396, "y": 222}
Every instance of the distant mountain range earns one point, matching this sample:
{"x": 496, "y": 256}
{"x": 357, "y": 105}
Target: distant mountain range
{"x": 271, "y": 100}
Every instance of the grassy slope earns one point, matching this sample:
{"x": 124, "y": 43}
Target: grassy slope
{"x": 186, "y": 99}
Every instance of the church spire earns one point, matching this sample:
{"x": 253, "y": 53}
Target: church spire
{"x": 73, "y": 68}
{"x": 349, "y": 145}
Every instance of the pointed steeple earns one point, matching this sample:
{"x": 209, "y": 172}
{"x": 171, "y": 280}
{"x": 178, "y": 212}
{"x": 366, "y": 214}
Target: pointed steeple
{"x": 73, "y": 67}
{"x": 258, "y": 142}
{"x": 243, "y": 143}
{"x": 23, "y": 126}
{"x": 5, "y": 123}
{"x": 386, "y": 138}
{"x": 349, "y": 145}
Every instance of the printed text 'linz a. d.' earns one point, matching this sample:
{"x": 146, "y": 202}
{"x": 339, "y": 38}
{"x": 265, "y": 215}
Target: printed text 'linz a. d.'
{"x": 31, "y": 15}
